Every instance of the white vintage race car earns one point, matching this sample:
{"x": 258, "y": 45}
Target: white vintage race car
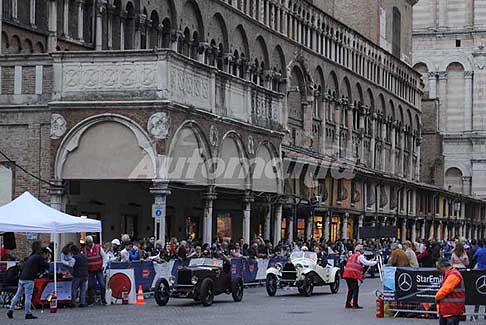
{"x": 303, "y": 271}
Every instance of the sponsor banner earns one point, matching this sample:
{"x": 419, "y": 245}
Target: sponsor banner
{"x": 420, "y": 285}
{"x": 121, "y": 280}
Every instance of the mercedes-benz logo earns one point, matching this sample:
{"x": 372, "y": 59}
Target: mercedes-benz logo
{"x": 481, "y": 285}
{"x": 405, "y": 282}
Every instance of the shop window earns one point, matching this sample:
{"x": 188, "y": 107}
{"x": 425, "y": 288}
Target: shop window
{"x": 223, "y": 225}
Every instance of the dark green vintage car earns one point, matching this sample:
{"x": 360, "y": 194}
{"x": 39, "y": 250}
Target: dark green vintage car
{"x": 203, "y": 279}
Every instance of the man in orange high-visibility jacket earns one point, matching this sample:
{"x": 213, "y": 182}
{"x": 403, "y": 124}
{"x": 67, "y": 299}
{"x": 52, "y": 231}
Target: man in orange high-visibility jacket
{"x": 353, "y": 272}
{"x": 451, "y": 297}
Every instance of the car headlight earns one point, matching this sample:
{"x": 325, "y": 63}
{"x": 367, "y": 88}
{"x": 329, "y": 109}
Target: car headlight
{"x": 172, "y": 280}
{"x": 194, "y": 280}
{"x": 298, "y": 267}
{"x": 278, "y": 266}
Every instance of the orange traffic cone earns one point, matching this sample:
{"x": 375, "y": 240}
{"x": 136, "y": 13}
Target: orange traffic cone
{"x": 140, "y": 297}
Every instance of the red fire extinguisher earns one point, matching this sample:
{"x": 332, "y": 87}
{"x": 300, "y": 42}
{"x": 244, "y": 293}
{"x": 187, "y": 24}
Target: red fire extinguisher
{"x": 124, "y": 296}
{"x": 53, "y": 303}
{"x": 380, "y": 304}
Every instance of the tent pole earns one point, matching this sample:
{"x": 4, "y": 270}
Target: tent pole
{"x": 55, "y": 267}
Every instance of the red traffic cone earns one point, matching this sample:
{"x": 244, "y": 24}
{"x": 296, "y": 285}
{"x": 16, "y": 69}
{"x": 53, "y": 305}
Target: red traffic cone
{"x": 140, "y": 297}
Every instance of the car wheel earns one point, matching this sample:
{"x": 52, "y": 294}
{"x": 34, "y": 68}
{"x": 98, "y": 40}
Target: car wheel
{"x": 207, "y": 292}
{"x": 237, "y": 289}
{"x": 307, "y": 286}
{"x": 271, "y": 285}
{"x": 335, "y": 286}
{"x": 162, "y": 293}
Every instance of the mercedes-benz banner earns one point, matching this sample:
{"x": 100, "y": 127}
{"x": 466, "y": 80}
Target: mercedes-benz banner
{"x": 419, "y": 285}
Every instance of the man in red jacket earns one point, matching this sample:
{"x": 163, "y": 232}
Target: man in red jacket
{"x": 353, "y": 272}
{"x": 451, "y": 297}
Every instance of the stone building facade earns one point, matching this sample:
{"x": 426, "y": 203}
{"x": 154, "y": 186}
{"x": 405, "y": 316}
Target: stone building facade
{"x": 448, "y": 39}
{"x": 218, "y": 118}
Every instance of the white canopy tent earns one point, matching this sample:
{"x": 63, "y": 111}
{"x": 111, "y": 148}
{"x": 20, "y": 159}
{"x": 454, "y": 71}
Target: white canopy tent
{"x": 27, "y": 214}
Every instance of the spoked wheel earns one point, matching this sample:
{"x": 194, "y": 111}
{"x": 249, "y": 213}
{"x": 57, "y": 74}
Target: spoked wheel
{"x": 207, "y": 292}
{"x": 162, "y": 293}
{"x": 307, "y": 286}
{"x": 237, "y": 289}
{"x": 271, "y": 285}
{"x": 335, "y": 285}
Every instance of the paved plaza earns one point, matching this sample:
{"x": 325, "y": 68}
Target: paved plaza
{"x": 288, "y": 307}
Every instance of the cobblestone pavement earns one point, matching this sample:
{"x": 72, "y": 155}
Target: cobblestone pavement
{"x": 256, "y": 308}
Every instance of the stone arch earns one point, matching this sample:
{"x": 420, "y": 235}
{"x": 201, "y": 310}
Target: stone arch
{"x": 129, "y": 32}
{"x": 39, "y": 47}
{"x": 333, "y": 85}
{"x": 261, "y": 52}
{"x": 218, "y": 32}
{"x": 346, "y": 90}
{"x": 359, "y": 98}
{"x": 232, "y": 169}
{"x": 154, "y": 30}
{"x": 297, "y": 92}
{"x": 27, "y": 46}
{"x": 190, "y": 156}
{"x": 88, "y": 150}
{"x": 266, "y": 170}
{"x": 422, "y": 68}
{"x": 371, "y": 100}
{"x": 391, "y": 111}
{"x": 454, "y": 117}
{"x": 191, "y": 18}
{"x": 400, "y": 116}
{"x": 167, "y": 10}
{"x": 240, "y": 42}
{"x": 278, "y": 61}
{"x": 453, "y": 179}
{"x": 320, "y": 84}
{"x": 5, "y": 42}
{"x": 15, "y": 46}
{"x": 466, "y": 64}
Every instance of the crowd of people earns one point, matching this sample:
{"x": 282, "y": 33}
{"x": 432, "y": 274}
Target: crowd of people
{"x": 89, "y": 260}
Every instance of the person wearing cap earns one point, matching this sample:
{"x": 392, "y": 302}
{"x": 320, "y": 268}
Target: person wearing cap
{"x": 113, "y": 254}
{"x": 451, "y": 297}
{"x": 33, "y": 268}
{"x": 96, "y": 259}
{"x": 353, "y": 272}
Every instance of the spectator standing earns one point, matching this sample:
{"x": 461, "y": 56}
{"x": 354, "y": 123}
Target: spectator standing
{"x": 412, "y": 257}
{"x": 451, "y": 297}
{"x": 35, "y": 265}
{"x": 398, "y": 257}
{"x": 480, "y": 258}
{"x": 80, "y": 276}
{"x": 96, "y": 256}
{"x": 459, "y": 258}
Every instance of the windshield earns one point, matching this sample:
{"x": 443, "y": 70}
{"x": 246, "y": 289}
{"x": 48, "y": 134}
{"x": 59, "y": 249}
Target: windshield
{"x": 309, "y": 255}
{"x": 206, "y": 262}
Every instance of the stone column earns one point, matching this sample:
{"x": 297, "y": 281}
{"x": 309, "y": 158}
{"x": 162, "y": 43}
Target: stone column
{"x": 383, "y": 150}
{"x": 246, "y": 217}
{"x": 468, "y": 100}
{"x": 327, "y": 225}
{"x": 309, "y": 231}
{"x": 209, "y": 197}
{"x": 466, "y": 185}
{"x": 56, "y": 192}
{"x": 469, "y": 232}
{"x": 476, "y": 232}
{"x": 160, "y": 191}
{"x": 446, "y": 231}
{"x": 32, "y": 13}
{"x": 404, "y": 230}
{"x": 277, "y": 235}
{"x": 373, "y": 141}
{"x": 323, "y": 112}
{"x": 14, "y": 10}
{"x": 402, "y": 152}
{"x": 360, "y": 225}
{"x": 52, "y": 25}
{"x": 65, "y": 21}
{"x": 123, "y": 15}
{"x": 422, "y": 231}
{"x": 417, "y": 167}
{"x": 442, "y": 94}
{"x": 438, "y": 235}
{"x": 432, "y": 85}
{"x": 344, "y": 221}
{"x": 414, "y": 231}
{"x": 80, "y": 7}
{"x": 268, "y": 219}
{"x": 109, "y": 28}
{"x": 393, "y": 148}
{"x": 432, "y": 230}
{"x": 290, "y": 227}
{"x": 99, "y": 27}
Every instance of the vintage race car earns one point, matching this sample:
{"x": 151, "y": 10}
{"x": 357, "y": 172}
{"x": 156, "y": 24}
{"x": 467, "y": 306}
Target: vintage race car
{"x": 304, "y": 272}
{"x": 203, "y": 279}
